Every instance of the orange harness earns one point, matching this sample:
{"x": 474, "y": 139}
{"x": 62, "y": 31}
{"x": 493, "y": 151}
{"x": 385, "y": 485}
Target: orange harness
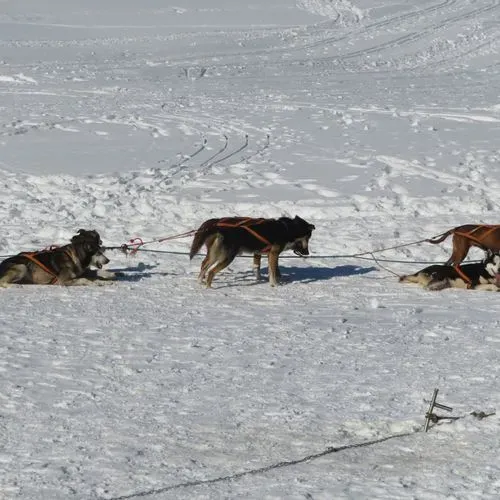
{"x": 245, "y": 223}
{"x": 463, "y": 276}
{"x": 31, "y": 256}
{"x": 491, "y": 229}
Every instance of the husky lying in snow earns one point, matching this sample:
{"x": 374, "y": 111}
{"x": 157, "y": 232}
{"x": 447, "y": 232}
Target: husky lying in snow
{"x": 66, "y": 265}
{"x": 483, "y": 275}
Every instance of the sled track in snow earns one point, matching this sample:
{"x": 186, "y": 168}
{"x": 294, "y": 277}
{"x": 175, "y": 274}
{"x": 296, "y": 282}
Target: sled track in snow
{"x": 411, "y": 37}
{"x": 382, "y": 24}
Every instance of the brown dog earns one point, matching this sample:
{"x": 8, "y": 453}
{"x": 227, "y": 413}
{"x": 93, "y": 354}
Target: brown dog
{"x": 483, "y": 236}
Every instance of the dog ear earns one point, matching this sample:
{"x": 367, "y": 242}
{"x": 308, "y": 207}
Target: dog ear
{"x": 299, "y": 219}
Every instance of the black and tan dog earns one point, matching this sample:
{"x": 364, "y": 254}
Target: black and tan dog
{"x": 227, "y": 237}
{"x": 483, "y": 275}
{"x": 207, "y": 232}
{"x": 66, "y": 265}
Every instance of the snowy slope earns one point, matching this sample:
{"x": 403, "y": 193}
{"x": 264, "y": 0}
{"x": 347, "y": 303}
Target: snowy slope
{"x": 375, "y": 120}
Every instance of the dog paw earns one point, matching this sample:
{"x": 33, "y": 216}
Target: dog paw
{"x": 104, "y": 282}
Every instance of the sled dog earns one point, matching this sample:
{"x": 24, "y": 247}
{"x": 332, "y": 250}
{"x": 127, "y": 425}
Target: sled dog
{"x": 483, "y": 275}
{"x": 65, "y": 265}
{"x": 483, "y": 236}
{"x": 227, "y": 237}
{"x": 207, "y": 232}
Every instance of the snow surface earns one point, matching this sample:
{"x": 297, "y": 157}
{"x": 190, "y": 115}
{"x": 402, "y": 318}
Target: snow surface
{"x": 376, "y": 120}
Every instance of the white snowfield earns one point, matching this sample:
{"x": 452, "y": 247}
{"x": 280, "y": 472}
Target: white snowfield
{"x": 376, "y": 120}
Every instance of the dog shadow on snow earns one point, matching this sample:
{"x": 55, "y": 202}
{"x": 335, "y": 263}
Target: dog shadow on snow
{"x": 132, "y": 274}
{"x": 310, "y": 274}
{"x": 297, "y": 274}
{"x": 288, "y": 274}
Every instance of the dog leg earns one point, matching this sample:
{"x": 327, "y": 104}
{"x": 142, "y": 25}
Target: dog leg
{"x": 13, "y": 275}
{"x": 219, "y": 266}
{"x": 103, "y": 274}
{"x": 461, "y": 246}
{"x": 215, "y": 253}
{"x": 256, "y": 265}
{"x": 86, "y": 282}
{"x": 220, "y": 258}
{"x": 274, "y": 273}
{"x": 203, "y": 269}
{"x": 491, "y": 287}
{"x": 205, "y": 264}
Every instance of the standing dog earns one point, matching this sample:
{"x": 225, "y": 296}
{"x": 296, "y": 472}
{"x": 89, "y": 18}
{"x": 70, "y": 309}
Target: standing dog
{"x": 207, "y": 232}
{"x": 66, "y": 265}
{"x": 226, "y": 238}
{"x": 478, "y": 276}
{"x": 483, "y": 236}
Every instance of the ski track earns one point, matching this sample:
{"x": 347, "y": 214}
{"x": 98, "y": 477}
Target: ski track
{"x": 376, "y": 121}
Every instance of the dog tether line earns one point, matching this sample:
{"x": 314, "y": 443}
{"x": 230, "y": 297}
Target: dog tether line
{"x": 135, "y": 245}
{"x": 260, "y": 470}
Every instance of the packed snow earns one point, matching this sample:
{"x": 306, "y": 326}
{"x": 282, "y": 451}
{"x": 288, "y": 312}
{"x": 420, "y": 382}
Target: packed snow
{"x": 375, "y": 120}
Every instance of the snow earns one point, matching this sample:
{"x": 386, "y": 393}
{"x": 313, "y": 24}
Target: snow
{"x": 377, "y": 121}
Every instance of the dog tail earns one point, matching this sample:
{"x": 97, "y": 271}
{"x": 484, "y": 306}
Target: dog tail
{"x": 440, "y": 237}
{"x": 198, "y": 240}
{"x": 202, "y": 233}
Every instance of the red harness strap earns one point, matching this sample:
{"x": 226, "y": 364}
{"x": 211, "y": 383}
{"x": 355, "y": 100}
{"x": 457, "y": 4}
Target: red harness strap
{"x": 244, "y": 224}
{"x": 245, "y": 221}
{"x": 31, "y": 256}
{"x": 463, "y": 276}
{"x": 491, "y": 229}
{"x": 259, "y": 237}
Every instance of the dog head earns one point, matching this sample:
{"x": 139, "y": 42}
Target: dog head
{"x": 89, "y": 236}
{"x": 99, "y": 259}
{"x": 492, "y": 266}
{"x": 88, "y": 239}
{"x": 303, "y": 232}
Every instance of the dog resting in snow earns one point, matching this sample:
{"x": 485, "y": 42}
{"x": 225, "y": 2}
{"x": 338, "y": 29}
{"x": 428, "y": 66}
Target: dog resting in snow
{"x": 66, "y": 265}
{"x": 227, "y": 237}
{"x": 483, "y": 275}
